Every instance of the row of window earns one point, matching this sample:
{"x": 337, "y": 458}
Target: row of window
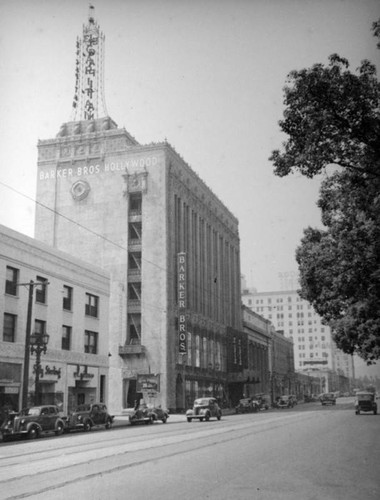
{"x": 12, "y": 284}
{"x": 10, "y": 329}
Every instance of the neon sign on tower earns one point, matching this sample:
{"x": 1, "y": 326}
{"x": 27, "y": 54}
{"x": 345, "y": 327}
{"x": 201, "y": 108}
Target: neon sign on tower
{"x": 89, "y": 102}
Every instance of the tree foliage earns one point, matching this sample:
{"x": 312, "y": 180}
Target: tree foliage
{"x": 332, "y": 116}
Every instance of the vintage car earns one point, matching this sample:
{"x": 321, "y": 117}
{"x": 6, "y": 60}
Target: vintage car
{"x": 328, "y": 398}
{"x": 263, "y": 401}
{"x": 247, "y": 405}
{"x": 87, "y": 416}
{"x": 285, "y": 402}
{"x": 33, "y": 422}
{"x": 365, "y": 401}
{"x": 147, "y": 414}
{"x": 204, "y": 409}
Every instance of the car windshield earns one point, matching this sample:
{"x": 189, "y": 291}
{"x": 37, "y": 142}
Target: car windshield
{"x": 83, "y": 408}
{"x": 31, "y": 411}
{"x": 366, "y": 397}
{"x": 201, "y": 402}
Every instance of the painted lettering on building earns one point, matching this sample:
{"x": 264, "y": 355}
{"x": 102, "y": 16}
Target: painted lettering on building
{"x": 182, "y": 299}
{"x": 96, "y": 168}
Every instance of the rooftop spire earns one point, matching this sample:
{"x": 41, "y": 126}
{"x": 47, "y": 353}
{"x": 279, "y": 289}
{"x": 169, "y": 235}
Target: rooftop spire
{"x": 89, "y": 102}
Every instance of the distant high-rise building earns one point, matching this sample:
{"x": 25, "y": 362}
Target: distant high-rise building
{"x": 314, "y": 347}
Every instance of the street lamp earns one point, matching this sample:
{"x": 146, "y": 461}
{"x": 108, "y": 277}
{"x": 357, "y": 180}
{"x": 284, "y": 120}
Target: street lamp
{"x": 38, "y": 344}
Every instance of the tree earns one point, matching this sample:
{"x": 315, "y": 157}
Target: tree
{"x": 332, "y": 118}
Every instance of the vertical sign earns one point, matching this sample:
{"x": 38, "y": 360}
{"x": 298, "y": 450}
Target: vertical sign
{"x": 182, "y": 341}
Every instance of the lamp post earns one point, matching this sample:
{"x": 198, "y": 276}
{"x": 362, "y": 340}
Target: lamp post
{"x": 38, "y": 344}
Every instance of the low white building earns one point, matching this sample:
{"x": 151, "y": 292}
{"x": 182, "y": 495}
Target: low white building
{"x": 70, "y": 303}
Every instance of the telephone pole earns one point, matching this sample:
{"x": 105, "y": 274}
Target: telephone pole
{"x": 24, "y": 402}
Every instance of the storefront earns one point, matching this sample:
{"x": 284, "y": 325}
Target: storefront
{"x": 85, "y": 385}
{"x": 10, "y": 387}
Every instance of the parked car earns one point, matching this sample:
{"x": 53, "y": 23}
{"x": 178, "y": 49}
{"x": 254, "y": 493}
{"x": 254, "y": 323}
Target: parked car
{"x": 33, "y": 422}
{"x": 328, "y": 398}
{"x": 294, "y": 399}
{"x": 263, "y": 400}
{"x": 285, "y": 402}
{"x": 204, "y": 409}
{"x": 247, "y": 405}
{"x": 365, "y": 401}
{"x": 145, "y": 414}
{"x": 87, "y": 416}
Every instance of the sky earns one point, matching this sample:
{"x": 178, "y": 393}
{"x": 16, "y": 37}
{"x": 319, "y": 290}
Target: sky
{"x": 206, "y": 75}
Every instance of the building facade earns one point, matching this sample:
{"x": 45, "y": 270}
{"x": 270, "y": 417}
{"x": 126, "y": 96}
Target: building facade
{"x": 132, "y": 209}
{"x": 68, "y": 300}
{"x": 314, "y": 348}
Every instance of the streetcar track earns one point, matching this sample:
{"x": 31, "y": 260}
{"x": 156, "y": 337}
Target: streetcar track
{"x": 233, "y": 434}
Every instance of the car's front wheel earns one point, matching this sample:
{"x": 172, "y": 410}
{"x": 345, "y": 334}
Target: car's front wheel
{"x": 189, "y": 419}
{"x": 59, "y": 429}
{"x": 164, "y": 419}
{"x": 108, "y": 424}
{"x": 87, "y": 426}
{"x": 207, "y": 417}
{"x": 33, "y": 433}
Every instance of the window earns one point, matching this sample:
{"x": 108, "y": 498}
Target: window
{"x": 135, "y": 202}
{"x": 92, "y": 302}
{"x": 67, "y": 297}
{"x": 41, "y": 290}
{"x": 90, "y": 342}
{"x": 135, "y": 229}
{"x": 134, "y": 291}
{"x": 9, "y": 330}
{"x": 134, "y": 260}
{"x": 39, "y": 327}
{"x": 66, "y": 338}
{"x": 11, "y": 281}
{"x": 134, "y": 328}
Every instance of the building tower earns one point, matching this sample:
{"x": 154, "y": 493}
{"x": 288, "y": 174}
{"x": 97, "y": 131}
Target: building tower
{"x": 131, "y": 209}
{"x": 89, "y": 102}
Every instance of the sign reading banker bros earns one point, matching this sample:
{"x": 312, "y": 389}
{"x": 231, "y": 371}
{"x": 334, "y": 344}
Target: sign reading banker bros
{"x": 96, "y": 168}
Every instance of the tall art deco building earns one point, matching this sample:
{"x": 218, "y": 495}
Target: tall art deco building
{"x": 169, "y": 244}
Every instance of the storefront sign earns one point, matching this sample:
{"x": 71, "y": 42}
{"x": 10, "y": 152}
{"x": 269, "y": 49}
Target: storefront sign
{"x": 182, "y": 298}
{"x": 149, "y": 382}
{"x": 53, "y": 371}
{"x": 83, "y": 374}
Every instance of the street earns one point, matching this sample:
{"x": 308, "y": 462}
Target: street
{"x": 309, "y": 452}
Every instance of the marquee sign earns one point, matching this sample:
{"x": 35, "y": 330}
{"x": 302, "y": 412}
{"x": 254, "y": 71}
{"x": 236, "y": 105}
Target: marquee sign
{"x": 182, "y": 299}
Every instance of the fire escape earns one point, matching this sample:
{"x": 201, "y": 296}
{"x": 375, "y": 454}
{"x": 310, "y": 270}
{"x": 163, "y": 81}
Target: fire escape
{"x": 133, "y": 345}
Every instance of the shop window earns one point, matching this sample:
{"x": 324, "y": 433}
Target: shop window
{"x": 90, "y": 342}
{"x": 67, "y": 297}
{"x": 41, "y": 289}
{"x": 66, "y": 338}
{"x": 9, "y": 328}
{"x": 92, "y": 303}
{"x": 11, "y": 280}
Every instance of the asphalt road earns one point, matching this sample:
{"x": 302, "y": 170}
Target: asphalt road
{"x": 305, "y": 453}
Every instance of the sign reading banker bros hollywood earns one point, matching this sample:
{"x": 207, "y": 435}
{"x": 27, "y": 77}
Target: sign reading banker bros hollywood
{"x": 96, "y": 168}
